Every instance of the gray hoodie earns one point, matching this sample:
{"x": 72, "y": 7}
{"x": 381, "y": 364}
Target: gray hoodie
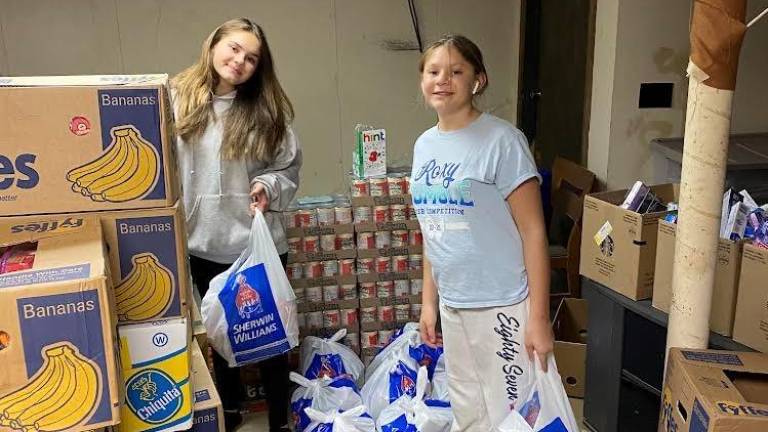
{"x": 216, "y": 191}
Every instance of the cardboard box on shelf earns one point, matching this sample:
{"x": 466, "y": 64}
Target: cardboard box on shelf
{"x": 147, "y": 250}
{"x": 57, "y": 330}
{"x": 570, "y": 328}
{"x": 390, "y": 276}
{"x": 715, "y": 391}
{"x": 751, "y": 324}
{"x": 411, "y": 224}
{"x": 208, "y": 412}
{"x": 156, "y": 368}
{"x": 727, "y": 272}
{"x": 618, "y": 246}
{"x": 84, "y": 143}
{"x": 322, "y": 256}
{"x": 369, "y": 156}
{"x": 372, "y": 201}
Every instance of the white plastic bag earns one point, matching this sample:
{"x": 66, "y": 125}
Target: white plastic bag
{"x": 329, "y": 358}
{"x": 393, "y": 378}
{"x": 324, "y": 395}
{"x": 354, "y": 420}
{"x": 414, "y": 414}
{"x": 440, "y": 382}
{"x": 407, "y": 341}
{"x": 545, "y": 408}
{"x": 249, "y": 310}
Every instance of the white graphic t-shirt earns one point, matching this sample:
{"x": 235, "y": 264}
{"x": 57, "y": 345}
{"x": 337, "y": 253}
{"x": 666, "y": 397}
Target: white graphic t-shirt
{"x": 460, "y": 182}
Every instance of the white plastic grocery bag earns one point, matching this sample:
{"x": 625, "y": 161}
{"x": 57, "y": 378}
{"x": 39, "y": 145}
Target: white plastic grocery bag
{"x": 414, "y": 414}
{"x": 440, "y": 382}
{"x": 354, "y": 420}
{"x": 545, "y": 408}
{"x": 249, "y": 310}
{"x": 329, "y": 358}
{"x": 322, "y": 394}
{"x": 393, "y": 378}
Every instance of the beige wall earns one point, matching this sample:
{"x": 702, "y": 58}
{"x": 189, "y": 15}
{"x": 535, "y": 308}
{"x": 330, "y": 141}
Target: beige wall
{"x": 651, "y": 45}
{"x": 329, "y": 57}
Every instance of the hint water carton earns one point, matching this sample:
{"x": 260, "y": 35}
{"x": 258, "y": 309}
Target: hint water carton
{"x": 369, "y": 158}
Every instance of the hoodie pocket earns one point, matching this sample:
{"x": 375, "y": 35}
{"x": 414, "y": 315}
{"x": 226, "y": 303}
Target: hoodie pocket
{"x": 220, "y": 224}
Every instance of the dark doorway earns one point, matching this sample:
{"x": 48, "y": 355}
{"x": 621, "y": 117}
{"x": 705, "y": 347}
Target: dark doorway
{"x": 556, "y": 77}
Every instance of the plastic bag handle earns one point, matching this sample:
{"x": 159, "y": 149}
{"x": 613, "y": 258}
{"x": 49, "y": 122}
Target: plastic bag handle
{"x": 300, "y": 379}
{"x": 339, "y": 335}
{"x": 422, "y": 380}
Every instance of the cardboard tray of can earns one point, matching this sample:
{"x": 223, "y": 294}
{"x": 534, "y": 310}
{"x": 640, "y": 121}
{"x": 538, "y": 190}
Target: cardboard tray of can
{"x": 322, "y": 256}
{"x": 320, "y": 306}
{"x": 389, "y": 252}
{"x": 385, "y": 277}
{"x": 390, "y": 301}
{"x": 330, "y": 280}
{"x": 372, "y": 201}
{"x": 411, "y": 224}
{"x": 320, "y": 230}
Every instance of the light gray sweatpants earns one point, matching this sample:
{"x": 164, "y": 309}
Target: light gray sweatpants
{"x": 487, "y": 364}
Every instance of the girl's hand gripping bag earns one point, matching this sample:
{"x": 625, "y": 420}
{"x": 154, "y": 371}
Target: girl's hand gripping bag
{"x": 546, "y": 407}
{"x": 249, "y": 310}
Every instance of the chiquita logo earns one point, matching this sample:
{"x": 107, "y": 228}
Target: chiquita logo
{"x": 153, "y": 396}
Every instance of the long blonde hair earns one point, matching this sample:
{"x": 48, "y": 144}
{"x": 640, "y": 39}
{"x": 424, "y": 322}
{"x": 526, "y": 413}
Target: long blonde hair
{"x": 257, "y": 123}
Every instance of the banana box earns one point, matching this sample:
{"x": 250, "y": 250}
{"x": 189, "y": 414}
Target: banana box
{"x": 57, "y": 332}
{"x": 156, "y": 368}
{"x": 84, "y": 143}
{"x": 148, "y": 257}
{"x": 209, "y": 413}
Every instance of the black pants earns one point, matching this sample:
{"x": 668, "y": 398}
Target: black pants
{"x": 274, "y": 371}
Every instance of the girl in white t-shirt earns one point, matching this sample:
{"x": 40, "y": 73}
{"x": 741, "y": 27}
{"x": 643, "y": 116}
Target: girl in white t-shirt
{"x": 476, "y": 193}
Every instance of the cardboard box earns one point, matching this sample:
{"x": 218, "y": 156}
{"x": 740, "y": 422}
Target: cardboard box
{"x": 156, "y": 368}
{"x": 618, "y": 247}
{"x": 751, "y": 324}
{"x": 727, "y": 272}
{"x": 208, "y": 412}
{"x": 715, "y": 391}
{"x": 143, "y": 245}
{"x": 85, "y": 143}
{"x": 57, "y": 333}
{"x": 570, "y": 328}
{"x": 198, "y": 328}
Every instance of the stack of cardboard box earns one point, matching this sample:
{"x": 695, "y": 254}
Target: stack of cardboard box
{"x": 88, "y": 161}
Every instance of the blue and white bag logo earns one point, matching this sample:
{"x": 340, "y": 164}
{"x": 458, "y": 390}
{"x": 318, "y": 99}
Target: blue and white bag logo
{"x": 153, "y": 396}
{"x": 247, "y": 300}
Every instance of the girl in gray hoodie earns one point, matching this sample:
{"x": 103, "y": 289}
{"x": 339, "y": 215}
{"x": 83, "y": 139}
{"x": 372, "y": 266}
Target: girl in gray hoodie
{"x": 237, "y": 153}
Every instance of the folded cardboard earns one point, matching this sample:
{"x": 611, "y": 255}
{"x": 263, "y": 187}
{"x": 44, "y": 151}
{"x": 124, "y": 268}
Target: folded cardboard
{"x": 155, "y": 361}
{"x": 57, "y": 333}
{"x": 208, "y": 412}
{"x": 618, "y": 246}
{"x": 715, "y": 391}
{"x": 148, "y": 257}
{"x": 751, "y": 324}
{"x": 84, "y": 143}
{"x": 570, "y": 328}
{"x": 727, "y": 272}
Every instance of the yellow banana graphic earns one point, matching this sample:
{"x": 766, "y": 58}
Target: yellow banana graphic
{"x": 112, "y": 165}
{"x": 142, "y": 180}
{"x": 97, "y": 164}
{"x": 127, "y": 170}
{"x": 146, "y": 292}
{"x": 63, "y": 393}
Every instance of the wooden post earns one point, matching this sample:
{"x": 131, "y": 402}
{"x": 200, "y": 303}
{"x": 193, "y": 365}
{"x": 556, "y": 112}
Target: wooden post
{"x": 717, "y": 30}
